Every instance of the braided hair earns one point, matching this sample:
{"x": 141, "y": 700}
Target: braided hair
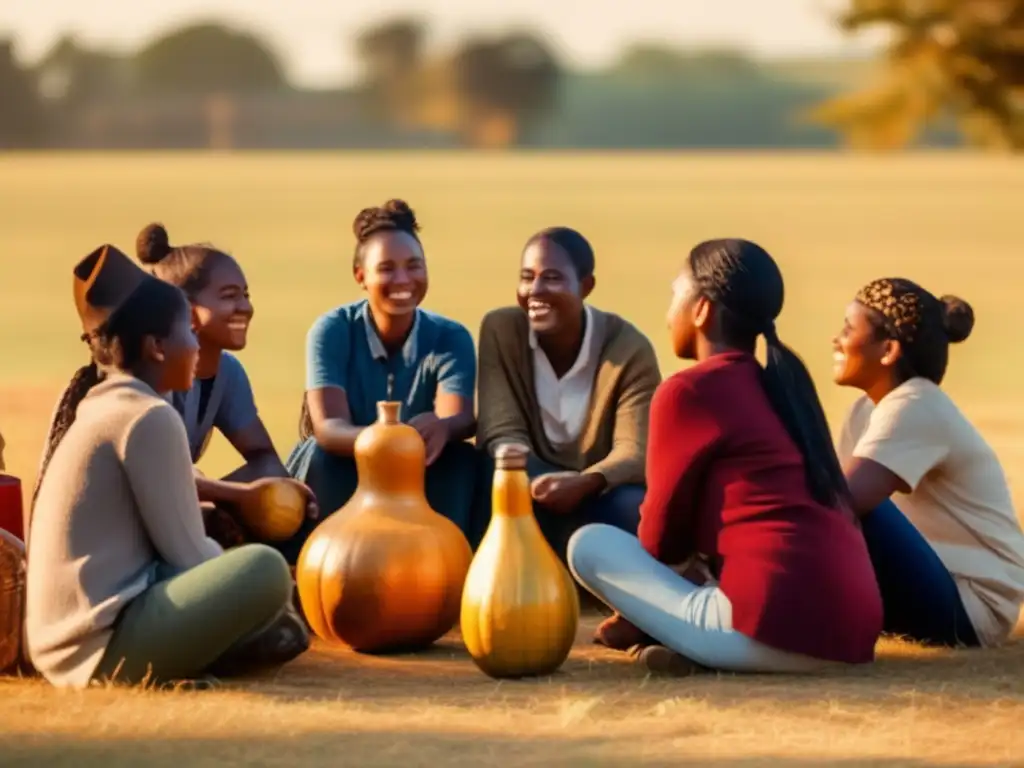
{"x": 924, "y": 325}
{"x": 187, "y": 266}
{"x": 151, "y": 311}
{"x": 745, "y": 285}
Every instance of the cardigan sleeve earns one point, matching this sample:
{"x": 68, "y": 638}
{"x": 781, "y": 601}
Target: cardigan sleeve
{"x": 683, "y": 435}
{"x": 500, "y": 413}
{"x": 640, "y": 378}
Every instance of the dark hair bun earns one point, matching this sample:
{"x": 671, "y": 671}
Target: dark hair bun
{"x": 957, "y": 318}
{"x": 152, "y": 245}
{"x": 394, "y": 216}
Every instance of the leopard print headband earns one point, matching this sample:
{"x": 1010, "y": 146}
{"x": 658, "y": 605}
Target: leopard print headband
{"x": 900, "y": 302}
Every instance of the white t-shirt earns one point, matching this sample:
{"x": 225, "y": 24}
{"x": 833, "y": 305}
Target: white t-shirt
{"x": 959, "y": 499}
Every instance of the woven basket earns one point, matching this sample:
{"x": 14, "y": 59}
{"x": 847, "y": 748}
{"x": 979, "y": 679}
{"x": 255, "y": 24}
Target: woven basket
{"x": 12, "y": 601}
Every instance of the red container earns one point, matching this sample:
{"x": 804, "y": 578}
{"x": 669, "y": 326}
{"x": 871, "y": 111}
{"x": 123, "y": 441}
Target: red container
{"x": 11, "y": 506}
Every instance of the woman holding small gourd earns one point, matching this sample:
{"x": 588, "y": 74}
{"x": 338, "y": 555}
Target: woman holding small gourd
{"x": 221, "y": 396}
{"x": 387, "y": 348}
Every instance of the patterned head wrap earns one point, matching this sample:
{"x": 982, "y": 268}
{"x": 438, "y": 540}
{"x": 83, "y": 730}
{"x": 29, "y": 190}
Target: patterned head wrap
{"x": 903, "y": 305}
{"x": 923, "y": 324}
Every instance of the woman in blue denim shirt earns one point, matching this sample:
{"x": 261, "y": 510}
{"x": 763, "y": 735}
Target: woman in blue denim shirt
{"x": 384, "y": 347}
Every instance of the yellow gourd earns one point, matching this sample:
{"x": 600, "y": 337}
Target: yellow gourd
{"x": 385, "y": 572}
{"x": 520, "y": 610}
{"x": 277, "y": 512}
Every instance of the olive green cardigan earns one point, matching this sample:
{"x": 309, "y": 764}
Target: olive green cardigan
{"x": 614, "y": 436}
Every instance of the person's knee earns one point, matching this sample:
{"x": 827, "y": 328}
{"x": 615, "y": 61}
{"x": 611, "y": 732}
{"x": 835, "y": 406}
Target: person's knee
{"x": 265, "y": 573}
{"x": 588, "y": 546}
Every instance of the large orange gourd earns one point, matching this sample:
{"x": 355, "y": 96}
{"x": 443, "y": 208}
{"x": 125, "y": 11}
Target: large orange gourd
{"x": 520, "y": 609}
{"x": 385, "y": 572}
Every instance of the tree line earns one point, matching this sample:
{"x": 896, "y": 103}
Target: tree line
{"x": 954, "y": 73}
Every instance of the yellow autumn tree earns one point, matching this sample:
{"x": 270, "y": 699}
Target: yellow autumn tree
{"x": 959, "y": 58}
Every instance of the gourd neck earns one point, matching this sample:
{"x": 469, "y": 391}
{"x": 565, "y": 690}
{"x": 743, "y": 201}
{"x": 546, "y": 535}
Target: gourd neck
{"x": 388, "y": 412}
{"x": 510, "y": 494}
{"x": 390, "y": 455}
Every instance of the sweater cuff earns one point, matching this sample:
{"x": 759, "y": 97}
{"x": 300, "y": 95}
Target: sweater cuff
{"x": 617, "y": 472}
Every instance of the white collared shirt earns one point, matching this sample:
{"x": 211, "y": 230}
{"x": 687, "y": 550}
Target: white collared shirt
{"x": 564, "y": 402}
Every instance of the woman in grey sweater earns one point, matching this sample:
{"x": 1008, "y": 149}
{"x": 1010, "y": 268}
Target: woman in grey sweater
{"x": 123, "y": 583}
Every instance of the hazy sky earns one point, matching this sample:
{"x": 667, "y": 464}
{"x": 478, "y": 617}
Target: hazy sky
{"x": 312, "y": 35}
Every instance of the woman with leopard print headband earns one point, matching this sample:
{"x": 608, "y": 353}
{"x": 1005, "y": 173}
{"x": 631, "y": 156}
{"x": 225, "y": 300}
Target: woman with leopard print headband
{"x": 948, "y": 551}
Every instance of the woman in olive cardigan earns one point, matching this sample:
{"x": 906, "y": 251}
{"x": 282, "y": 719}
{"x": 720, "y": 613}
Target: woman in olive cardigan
{"x": 573, "y": 384}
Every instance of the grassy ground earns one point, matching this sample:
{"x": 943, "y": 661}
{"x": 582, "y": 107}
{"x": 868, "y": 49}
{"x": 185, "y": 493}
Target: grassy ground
{"x": 833, "y": 223}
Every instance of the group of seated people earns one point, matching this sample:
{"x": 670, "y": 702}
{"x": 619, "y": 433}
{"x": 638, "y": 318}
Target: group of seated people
{"x": 710, "y": 511}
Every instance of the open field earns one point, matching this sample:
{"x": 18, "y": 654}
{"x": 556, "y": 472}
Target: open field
{"x": 953, "y": 223}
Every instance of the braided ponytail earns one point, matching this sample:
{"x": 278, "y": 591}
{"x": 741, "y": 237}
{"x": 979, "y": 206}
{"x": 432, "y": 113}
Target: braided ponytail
{"x": 794, "y": 398}
{"x": 746, "y": 285}
{"x": 84, "y": 379}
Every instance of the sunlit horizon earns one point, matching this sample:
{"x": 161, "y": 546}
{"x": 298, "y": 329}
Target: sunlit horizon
{"x": 314, "y": 40}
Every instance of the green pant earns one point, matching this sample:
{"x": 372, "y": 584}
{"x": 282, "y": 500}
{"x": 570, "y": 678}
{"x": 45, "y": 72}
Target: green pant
{"x": 180, "y": 626}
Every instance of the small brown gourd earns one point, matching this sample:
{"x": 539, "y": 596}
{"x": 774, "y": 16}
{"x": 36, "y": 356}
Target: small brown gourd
{"x": 278, "y": 512}
{"x": 520, "y": 610}
{"x": 385, "y": 572}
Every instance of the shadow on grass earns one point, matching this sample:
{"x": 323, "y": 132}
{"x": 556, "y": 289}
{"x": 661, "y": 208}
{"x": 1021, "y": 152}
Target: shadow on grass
{"x": 381, "y": 748}
{"x": 446, "y": 675}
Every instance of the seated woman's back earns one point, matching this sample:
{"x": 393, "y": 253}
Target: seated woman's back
{"x": 111, "y": 494}
{"x": 743, "y": 482}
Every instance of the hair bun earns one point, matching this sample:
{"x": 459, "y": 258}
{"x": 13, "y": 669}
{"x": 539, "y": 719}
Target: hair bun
{"x": 402, "y": 215}
{"x": 394, "y": 215}
{"x": 152, "y": 245}
{"x": 957, "y": 318}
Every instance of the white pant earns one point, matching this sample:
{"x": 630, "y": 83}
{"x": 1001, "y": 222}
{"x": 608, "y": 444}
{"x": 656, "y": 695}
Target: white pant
{"x": 693, "y": 621}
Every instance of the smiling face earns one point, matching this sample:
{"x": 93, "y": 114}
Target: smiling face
{"x": 393, "y": 272}
{"x": 222, "y": 311}
{"x": 550, "y": 291}
{"x": 862, "y": 356}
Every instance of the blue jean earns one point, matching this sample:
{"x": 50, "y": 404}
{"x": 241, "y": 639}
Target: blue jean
{"x": 919, "y": 596}
{"x": 618, "y": 507}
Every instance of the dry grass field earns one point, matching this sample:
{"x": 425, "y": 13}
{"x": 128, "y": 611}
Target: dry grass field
{"x": 951, "y": 222}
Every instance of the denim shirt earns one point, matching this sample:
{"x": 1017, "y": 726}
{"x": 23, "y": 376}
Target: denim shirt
{"x": 343, "y": 350}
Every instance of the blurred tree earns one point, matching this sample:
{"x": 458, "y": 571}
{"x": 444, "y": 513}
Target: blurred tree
{"x": 391, "y": 55}
{"x": 70, "y": 74}
{"x": 655, "y": 62}
{"x": 22, "y": 120}
{"x": 504, "y": 84}
{"x": 948, "y": 57}
{"x": 487, "y": 91}
{"x": 208, "y": 58}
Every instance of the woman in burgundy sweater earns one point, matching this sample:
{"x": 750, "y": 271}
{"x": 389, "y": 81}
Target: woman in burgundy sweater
{"x": 748, "y": 556}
